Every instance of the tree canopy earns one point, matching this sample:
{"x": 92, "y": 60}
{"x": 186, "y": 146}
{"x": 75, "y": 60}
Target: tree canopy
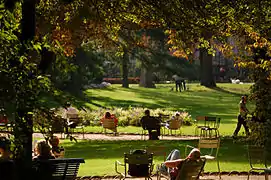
{"x": 34, "y": 32}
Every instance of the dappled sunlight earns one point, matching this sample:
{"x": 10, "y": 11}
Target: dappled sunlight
{"x": 199, "y": 100}
{"x": 101, "y": 155}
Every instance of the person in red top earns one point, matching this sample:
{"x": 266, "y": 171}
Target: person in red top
{"x": 110, "y": 117}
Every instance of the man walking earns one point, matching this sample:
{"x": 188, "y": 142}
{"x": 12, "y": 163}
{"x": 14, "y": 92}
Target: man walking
{"x": 243, "y": 111}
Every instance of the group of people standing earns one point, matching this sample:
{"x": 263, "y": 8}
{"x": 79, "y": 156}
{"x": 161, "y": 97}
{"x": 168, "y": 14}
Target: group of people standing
{"x": 179, "y": 83}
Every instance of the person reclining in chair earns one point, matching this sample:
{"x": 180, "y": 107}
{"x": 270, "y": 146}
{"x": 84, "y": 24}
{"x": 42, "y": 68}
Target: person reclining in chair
{"x": 151, "y": 124}
{"x": 174, "y": 163}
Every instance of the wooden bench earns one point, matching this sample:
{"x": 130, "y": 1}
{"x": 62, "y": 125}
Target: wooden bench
{"x": 57, "y": 169}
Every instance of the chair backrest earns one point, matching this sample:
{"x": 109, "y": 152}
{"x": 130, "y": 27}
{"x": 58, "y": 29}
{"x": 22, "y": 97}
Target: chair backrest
{"x": 164, "y": 117}
{"x": 191, "y": 170}
{"x": 57, "y": 169}
{"x": 76, "y": 120}
{"x": 158, "y": 151}
{"x": 200, "y": 119}
{"x": 139, "y": 164}
{"x": 58, "y": 125}
{"x": 211, "y": 121}
{"x": 108, "y": 123}
{"x": 210, "y": 144}
{"x": 174, "y": 124}
{"x": 256, "y": 156}
{"x": 152, "y": 122}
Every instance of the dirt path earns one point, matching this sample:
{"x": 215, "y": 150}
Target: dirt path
{"x": 120, "y": 137}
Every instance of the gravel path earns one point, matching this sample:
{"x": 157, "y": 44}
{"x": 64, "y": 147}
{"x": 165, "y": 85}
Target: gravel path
{"x": 120, "y": 137}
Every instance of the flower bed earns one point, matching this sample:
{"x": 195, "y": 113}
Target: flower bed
{"x": 130, "y": 116}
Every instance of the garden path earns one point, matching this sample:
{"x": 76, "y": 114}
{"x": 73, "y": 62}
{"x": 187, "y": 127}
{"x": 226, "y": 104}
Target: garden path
{"x": 119, "y": 137}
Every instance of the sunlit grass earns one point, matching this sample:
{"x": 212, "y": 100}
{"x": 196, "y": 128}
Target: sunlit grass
{"x": 100, "y": 155}
{"x": 198, "y": 100}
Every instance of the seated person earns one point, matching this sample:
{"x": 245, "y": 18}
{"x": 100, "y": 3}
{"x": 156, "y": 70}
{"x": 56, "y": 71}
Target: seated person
{"x": 43, "y": 151}
{"x": 176, "y": 118}
{"x": 110, "y": 117}
{"x": 174, "y": 162}
{"x": 150, "y": 123}
{"x": 6, "y": 165}
{"x": 57, "y": 151}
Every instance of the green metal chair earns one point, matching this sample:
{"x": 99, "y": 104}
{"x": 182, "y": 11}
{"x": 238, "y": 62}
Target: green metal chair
{"x": 141, "y": 162}
{"x": 190, "y": 170}
{"x": 209, "y": 148}
{"x": 258, "y": 160}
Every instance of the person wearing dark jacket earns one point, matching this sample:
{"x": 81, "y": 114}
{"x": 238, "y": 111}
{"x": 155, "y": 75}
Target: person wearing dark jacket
{"x": 152, "y": 124}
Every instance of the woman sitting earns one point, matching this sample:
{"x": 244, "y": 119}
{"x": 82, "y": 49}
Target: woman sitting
{"x": 175, "y": 120}
{"x": 43, "y": 151}
{"x": 110, "y": 117}
{"x": 57, "y": 151}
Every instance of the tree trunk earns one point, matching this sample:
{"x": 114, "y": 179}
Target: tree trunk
{"x": 206, "y": 69}
{"x": 125, "y": 61}
{"x": 146, "y": 77}
{"x": 24, "y": 123}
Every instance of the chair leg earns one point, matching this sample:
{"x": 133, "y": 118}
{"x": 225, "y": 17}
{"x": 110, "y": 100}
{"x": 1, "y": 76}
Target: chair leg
{"x": 266, "y": 176}
{"x": 218, "y": 167}
{"x": 248, "y": 174}
{"x": 83, "y": 131}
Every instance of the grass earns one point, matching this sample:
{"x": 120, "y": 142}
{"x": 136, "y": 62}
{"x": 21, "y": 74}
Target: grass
{"x": 221, "y": 101}
{"x": 100, "y": 156}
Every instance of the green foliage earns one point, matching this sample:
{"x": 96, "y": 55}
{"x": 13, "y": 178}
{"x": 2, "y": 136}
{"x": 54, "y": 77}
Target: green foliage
{"x": 130, "y": 116}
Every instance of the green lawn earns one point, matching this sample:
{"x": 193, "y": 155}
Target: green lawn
{"x": 101, "y": 155}
{"x": 221, "y": 101}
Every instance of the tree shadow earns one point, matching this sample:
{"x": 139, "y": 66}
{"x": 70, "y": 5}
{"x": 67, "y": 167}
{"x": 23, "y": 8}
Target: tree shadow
{"x": 226, "y": 91}
{"x": 229, "y": 152}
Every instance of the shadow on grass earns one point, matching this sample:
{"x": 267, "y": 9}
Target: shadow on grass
{"x": 226, "y": 91}
{"x": 228, "y": 152}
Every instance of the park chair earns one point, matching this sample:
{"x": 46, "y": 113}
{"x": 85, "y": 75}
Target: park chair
{"x": 74, "y": 123}
{"x": 200, "y": 123}
{"x": 135, "y": 165}
{"x": 57, "y": 169}
{"x": 209, "y": 150}
{"x": 58, "y": 125}
{"x": 258, "y": 160}
{"x": 211, "y": 124}
{"x": 190, "y": 170}
{"x": 109, "y": 124}
{"x": 174, "y": 125}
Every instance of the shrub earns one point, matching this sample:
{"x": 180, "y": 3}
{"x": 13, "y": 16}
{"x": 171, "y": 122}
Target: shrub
{"x": 130, "y": 116}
